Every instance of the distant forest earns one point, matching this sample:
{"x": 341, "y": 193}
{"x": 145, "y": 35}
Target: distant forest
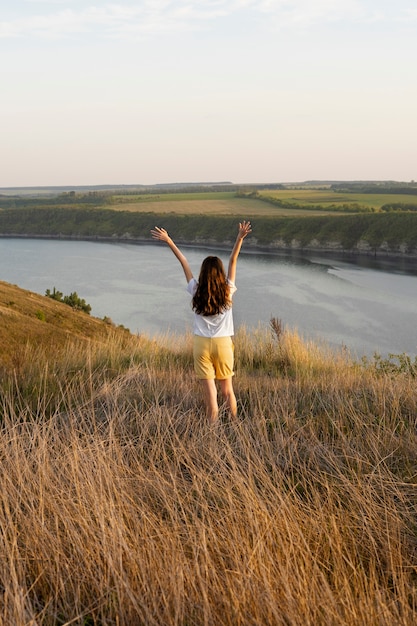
{"x": 90, "y": 214}
{"x": 394, "y": 229}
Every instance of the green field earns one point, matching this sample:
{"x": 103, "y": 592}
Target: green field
{"x": 208, "y": 203}
{"x": 298, "y": 202}
{"x": 244, "y": 201}
{"x": 177, "y": 197}
{"x": 330, "y": 197}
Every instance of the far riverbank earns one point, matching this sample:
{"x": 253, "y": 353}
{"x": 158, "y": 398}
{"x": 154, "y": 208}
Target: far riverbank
{"x": 385, "y": 235}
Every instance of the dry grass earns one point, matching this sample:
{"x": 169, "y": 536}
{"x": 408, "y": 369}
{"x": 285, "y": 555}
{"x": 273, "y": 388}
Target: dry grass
{"x": 209, "y": 206}
{"x": 201, "y": 206}
{"x": 120, "y": 506}
{"x": 31, "y": 323}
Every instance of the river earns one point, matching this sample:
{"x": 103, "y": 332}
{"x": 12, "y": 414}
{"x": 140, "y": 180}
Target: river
{"x": 367, "y": 305}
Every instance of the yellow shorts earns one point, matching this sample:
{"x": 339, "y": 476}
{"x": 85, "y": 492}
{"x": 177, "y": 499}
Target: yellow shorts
{"x": 213, "y": 357}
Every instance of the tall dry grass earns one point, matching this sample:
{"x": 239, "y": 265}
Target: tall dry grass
{"x": 120, "y": 505}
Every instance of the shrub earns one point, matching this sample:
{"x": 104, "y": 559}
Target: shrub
{"x": 73, "y": 300}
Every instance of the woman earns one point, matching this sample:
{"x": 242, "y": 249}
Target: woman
{"x": 213, "y": 320}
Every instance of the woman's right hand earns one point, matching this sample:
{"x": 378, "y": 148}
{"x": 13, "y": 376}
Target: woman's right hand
{"x": 244, "y": 229}
{"x": 160, "y": 234}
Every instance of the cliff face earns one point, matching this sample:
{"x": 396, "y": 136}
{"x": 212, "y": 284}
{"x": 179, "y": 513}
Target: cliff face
{"x": 363, "y": 247}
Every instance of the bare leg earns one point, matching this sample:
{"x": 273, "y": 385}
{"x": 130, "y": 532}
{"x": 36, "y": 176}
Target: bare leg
{"x": 228, "y": 393}
{"x": 210, "y": 398}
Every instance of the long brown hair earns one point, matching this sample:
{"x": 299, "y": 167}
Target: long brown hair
{"x": 213, "y": 294}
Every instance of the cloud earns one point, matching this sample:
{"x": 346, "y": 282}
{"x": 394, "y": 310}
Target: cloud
{"x": 411, "y": 15}
{"x": 305, "y": 13}
{"x": 155, "y": 16}
{"x": 108, "y": 19}
{"x": 46, "y": 1}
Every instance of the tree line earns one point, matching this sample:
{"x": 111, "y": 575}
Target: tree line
{"x": 409, "y": 189}
{"x": 392, "y": 228}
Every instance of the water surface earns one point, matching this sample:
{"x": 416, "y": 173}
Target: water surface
{"x": 366, "y": 305}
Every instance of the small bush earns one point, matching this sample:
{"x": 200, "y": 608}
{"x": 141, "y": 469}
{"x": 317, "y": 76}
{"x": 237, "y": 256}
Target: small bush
{"x": 73, "y": 300}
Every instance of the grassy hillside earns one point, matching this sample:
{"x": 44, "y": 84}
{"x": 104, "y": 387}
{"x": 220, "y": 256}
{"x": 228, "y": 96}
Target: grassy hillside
{"x": 120, "y": 506}
{"x": 31, "y": 322}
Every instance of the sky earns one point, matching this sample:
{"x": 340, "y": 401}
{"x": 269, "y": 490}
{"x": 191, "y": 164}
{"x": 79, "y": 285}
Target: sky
{"x": 246, "y": 91}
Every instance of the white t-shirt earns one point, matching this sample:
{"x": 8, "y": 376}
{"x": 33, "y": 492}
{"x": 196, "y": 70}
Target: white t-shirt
{"x": 220, "y": 325}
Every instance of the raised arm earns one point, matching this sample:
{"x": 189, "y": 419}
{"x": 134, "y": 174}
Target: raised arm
{"x": 161, "y": 235}
{"x": 244, "y": 230}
